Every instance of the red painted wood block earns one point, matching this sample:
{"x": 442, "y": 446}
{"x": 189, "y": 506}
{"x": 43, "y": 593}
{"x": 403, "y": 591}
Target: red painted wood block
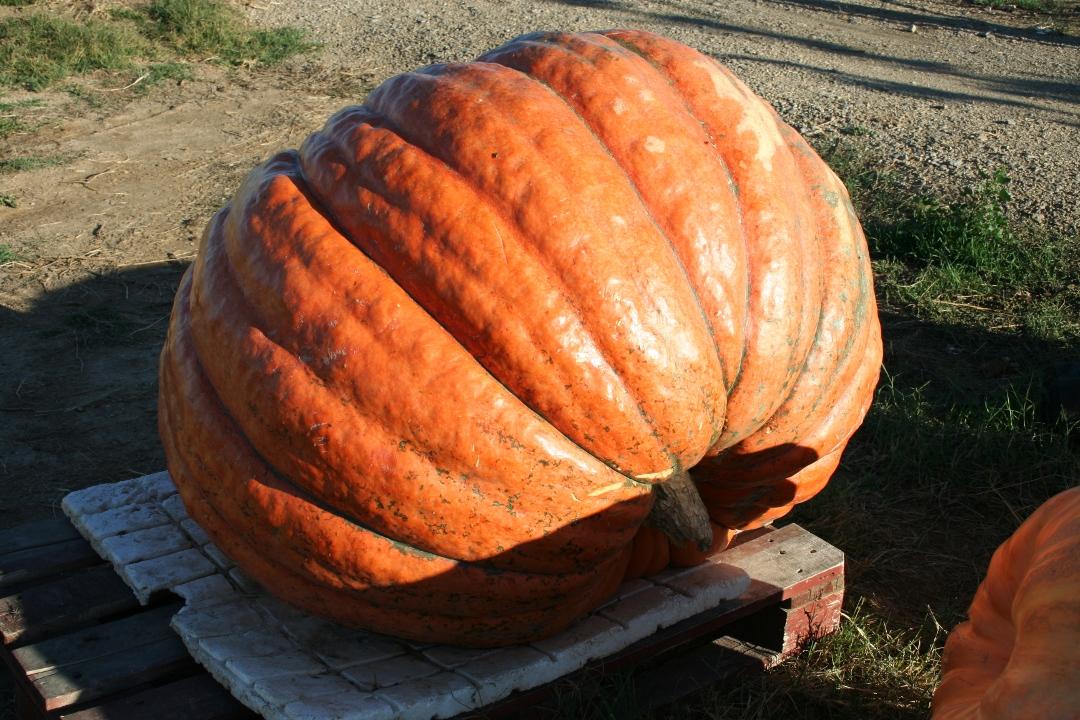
{"x": 814, "y": 619}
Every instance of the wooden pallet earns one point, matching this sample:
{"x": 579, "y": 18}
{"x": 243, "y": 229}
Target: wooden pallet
{"x": 80, "y": 647}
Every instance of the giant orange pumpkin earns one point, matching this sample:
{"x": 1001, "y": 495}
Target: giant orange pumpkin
{"x": 431, "y": 373}
{"x": 1018, "y": 655}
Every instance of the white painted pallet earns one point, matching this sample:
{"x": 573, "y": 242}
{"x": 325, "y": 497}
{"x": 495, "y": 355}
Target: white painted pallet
{"x": 287, "y": 665}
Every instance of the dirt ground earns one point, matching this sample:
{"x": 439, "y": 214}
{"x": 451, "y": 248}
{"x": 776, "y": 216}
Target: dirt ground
{"x": 102, "y": 238}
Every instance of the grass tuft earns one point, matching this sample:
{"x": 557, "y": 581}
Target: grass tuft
{"x": 6, "y": 253}
{"x": 166, "y": 71}
{"x": 22, "y": 164}
{"x": 20, "y": 104}
{"x": 968, "y": 240}
{"x": 10, "y": 125}
{"x": 959, "y": 257}
{"x": 208, "y": 28}
{"x": 866, "y": 670}
{"x": 8, "y": 200}
{"x": 39, "y": 49}
{"x": 10, "y": 122}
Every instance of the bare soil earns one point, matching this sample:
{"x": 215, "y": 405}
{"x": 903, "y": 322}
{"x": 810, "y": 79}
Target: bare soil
{"x": 102, "y": 238}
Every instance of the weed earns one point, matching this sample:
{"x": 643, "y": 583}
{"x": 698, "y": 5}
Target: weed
{"x": 22, "y": 164}
{"x": 15, "y": 3}
{"x": 161, "y": 72}
{"x": 207, "y": 28}
{"x": 10, "y": 125}
{"x": 969, "y": 240}
{"x": 856, "y": 130}
{"x": 40, "y": 49}
{"x": 20, "y": 104}
{"x": 7, "y": 254}
{"x": 957, "y": 255}
{"x": 85, "y": 94}
{"x": 8, "y": 200}
{"x": 866, "y": 669}
{"x": 10, "y": 122}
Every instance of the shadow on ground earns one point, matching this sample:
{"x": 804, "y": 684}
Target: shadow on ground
{"x": 79, "y": 403}
{"x": 994, "y": 89}
{"x": 931, "y": 484}
{"x": 968, "y": 435}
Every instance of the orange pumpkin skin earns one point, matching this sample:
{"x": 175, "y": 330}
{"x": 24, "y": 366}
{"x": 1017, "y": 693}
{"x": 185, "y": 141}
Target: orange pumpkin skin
{"x": 1018, "y": 654}
{"x": 426, "y": 370}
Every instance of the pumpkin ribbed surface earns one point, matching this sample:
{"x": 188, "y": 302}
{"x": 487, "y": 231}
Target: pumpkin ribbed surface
{"x": 426, "y": 370}
{"x": 1018, "y": 654}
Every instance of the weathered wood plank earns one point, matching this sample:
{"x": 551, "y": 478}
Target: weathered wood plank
{"x": 62, "y": 604}
{"x": 36, "y": 534}
{"x": 796, "y": 583}
{"x": 802, "y": 562}
{"x": 199, "y": 696}
{"x": 689, "y": 672}
{"x": 113, "y": 638}
{"x": 22, "y": 566}
{"x": 789, "y": 559}
{"x": 102, "y": 676}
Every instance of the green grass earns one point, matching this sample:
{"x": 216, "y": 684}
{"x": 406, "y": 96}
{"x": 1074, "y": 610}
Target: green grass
{"x": 15, "y": 3}
{"x": 958, "y": 257}
{"x": 6, "y": 107}
{"x": 11, "y": 125}
{"x": 201, "y": 27}
{"x": 39, "y": 49}
{"x": 6, "y": 253}
{"x": 167, "y": 71}
{"x": 959, "y": 446}
{"x": 8, "y": 200}
{"x": 10, "y": 122}
{"x": 865, "y": 670}
{"x": 33, "y": 162}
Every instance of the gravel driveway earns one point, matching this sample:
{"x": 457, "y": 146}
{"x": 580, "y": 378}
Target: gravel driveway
{"x": 943, "y": 90}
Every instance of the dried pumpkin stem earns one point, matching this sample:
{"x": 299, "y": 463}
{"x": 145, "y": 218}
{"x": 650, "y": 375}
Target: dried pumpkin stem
{"x": 680, "y": 513}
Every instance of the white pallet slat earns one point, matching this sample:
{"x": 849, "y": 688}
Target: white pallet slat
{"x": 287, "y": 665}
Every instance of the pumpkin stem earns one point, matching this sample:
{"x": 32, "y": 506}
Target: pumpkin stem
{"x": 680, "y": 513}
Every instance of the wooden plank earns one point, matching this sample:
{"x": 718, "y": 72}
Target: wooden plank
{"x": 655, "y": 684}
{"x": 199, "y": 696}
{"x": 92, "y": 679}
{"x": 796, "y": 580}
{"x": 63, "y": 604}
{"x": 116, "y": 637}
{"x": 777, "y": 562}
{"x": 689, "y": 672}
{"x": 25, "y": 706}
{"x": 785, "y": 558}
{"x": 788, "y": 560}
{"x": 34, "y": 563}
{"x": 36, "y": 534}
{"x": 815, "y": 619}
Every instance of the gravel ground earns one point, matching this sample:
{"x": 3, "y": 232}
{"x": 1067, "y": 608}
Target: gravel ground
{"x": 943, "y": 91}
